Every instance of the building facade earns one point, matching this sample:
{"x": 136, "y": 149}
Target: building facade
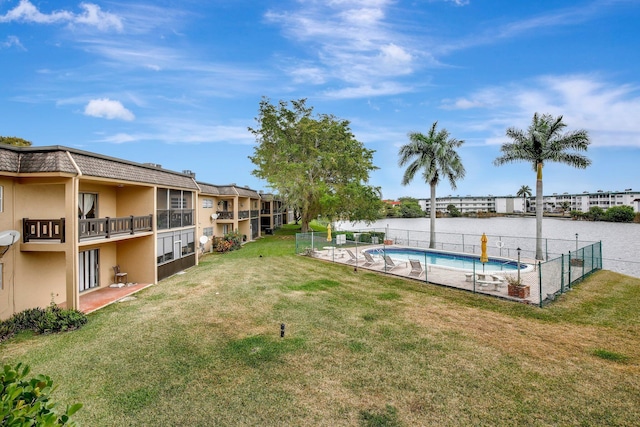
{"x": 581, "y": 202}
{"x": 81, "y": 214}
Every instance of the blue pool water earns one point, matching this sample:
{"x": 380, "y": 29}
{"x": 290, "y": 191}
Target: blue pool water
{"x": 450, "y": 260}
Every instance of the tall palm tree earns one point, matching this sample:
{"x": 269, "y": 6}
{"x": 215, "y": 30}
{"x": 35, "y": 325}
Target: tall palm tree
{"x": 434, "y": 154}
{"x": 544, "y": 142}
{"x": 524, "y": 192}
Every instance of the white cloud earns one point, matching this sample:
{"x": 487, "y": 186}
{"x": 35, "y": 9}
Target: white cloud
{"x": 185, "y": 131}
{"x": 108, "y": 109}
{"x": 11, "y": 41}
{"x": 364, "y": 91}
{"x": 348, "y": 41}
{"x": 92, "y": 15}
{"x": 609, "y": 111}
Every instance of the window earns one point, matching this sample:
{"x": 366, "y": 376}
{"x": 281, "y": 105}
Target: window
{"x": 188, "y": 246}
{"x": 87, "y": 205}
{"x": 207, "y": 231}
{"x": 88, "y": 269}
{"x": 165, "y": 248}
{"x": 178, "y": 202}
{"x": 175, "y": 245}
{"x": 207, "y": 203}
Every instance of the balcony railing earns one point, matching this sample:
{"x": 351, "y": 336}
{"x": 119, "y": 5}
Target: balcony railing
{"x": 243, "y": 214}
{"x": 43, "y": 229}
{"x": 225, "y": 214}
{"x": 174, "y": 218}
{"x": 265, "y": 211}
{"x": 107, "y": 227}
{"x": 255, "y": 213}
{"x": 54, "y": 229}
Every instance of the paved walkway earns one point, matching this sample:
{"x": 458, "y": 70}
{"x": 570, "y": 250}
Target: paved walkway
{"x": 459, "y": 279}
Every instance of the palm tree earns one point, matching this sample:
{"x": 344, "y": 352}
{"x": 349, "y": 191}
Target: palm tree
{"x": 544, "y": 142}
{"x": 524, "y": 192}
{"x": 435, "y": 154}
{"x": 565, "y": 206}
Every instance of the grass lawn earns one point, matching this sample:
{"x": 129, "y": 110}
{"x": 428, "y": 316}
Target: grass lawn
{"x": 360, "y": 349}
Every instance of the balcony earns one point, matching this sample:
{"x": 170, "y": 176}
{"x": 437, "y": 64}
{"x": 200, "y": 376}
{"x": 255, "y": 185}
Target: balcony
{"x": 53, "y": 230}
{"x": 43, "y": 229}
{"x": 174, "y": 218}
{"x": 108, "y": 227}
{"x": 255, "y": 213}
{"x": 225, "y": 214}
{"x": 243, "y": 214}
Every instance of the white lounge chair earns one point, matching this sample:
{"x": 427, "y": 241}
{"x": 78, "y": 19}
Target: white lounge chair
{"x": 352, "y": 258}
{"x": 389, "y": 264}
{"x": 416, "y": 268}
{"x": 369, "y": 260}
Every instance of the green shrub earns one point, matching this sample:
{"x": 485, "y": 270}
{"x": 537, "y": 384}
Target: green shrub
{"x": 25, "y": 402}
{"x": 42, "y": 320}
{"x": 230, "y": 242}
{"x": 619, "y": 214}
{"x": 364, "y": 237}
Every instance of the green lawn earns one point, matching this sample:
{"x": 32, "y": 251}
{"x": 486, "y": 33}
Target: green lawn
{"x": 360, "y": 349}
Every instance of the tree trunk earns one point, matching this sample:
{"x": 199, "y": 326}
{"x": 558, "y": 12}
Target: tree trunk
{"x": 539, "y": 208}
{"x": 432, "y": 217}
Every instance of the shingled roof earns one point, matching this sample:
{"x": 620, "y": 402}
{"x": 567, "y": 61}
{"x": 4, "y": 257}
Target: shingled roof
{"x": 227, "y": 190}
{"x": 58, "y": 159}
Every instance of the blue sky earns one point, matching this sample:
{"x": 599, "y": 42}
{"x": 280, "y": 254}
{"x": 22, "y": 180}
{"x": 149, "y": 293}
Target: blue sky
{"x": 178, "y": 83}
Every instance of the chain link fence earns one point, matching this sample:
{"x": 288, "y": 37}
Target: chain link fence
{"x": 566, "y": 261}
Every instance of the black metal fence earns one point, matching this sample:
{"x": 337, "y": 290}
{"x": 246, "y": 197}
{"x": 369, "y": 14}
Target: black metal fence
{"x": 567, "y": 261}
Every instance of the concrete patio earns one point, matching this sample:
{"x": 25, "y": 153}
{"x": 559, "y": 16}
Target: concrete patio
{"x": 459, "y": 279}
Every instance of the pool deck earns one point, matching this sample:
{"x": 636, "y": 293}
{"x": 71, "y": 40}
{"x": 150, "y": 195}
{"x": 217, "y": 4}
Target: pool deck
{"x": 459, "y": 279}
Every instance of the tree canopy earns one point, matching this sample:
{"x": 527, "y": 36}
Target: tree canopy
{"x": 410, "y": 208}
{"x": 436, "y": 156}
{"x": 544, "y": 141}
{"x": 314, "y": 162}
{"x": 14, "y": 140}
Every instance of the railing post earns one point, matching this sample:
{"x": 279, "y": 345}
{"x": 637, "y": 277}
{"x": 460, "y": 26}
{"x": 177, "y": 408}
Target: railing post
{"x": 569, "y": 284}
{"x": 546, "y": 248}
{"x": 540, "y": 284}
{"x": 474, "y": 276}
{"x": 131, "y": 226}
{"x": 562, "y": 273}
{"x": 25, "y": 230}
{"x": 108, "y": 225}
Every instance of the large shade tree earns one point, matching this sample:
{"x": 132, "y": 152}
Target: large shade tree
{"x": 314, "y": 162}
{"x": 544, "y": 141}
{"x": 14, "y": 140}
{"x": 435, "y": 155}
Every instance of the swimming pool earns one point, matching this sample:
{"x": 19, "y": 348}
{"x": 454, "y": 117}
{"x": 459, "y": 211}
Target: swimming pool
{"x": 451, "y": 259}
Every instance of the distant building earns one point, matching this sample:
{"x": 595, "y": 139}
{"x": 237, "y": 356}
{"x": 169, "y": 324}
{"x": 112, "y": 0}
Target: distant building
{"x": 580, "y": 202}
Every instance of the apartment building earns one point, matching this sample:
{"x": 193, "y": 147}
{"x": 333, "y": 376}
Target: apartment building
{"x": 465, "y": 204}
{"x": 509, "y": 204}
{"x": 227, "y": 208}
{"x": 80, "y": 214}
{"x": 273, "y": 213}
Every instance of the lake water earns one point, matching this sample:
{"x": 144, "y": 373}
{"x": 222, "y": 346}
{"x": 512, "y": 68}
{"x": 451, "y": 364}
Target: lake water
{"x": 620, "y": 241}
